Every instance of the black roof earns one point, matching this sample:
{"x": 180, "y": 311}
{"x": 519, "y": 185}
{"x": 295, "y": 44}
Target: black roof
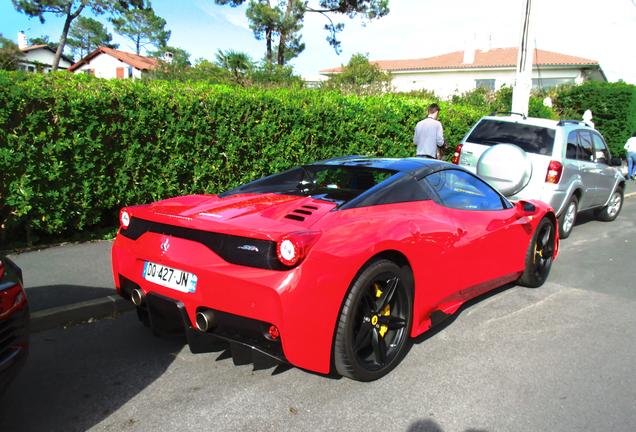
{"x": 416, "y": 166}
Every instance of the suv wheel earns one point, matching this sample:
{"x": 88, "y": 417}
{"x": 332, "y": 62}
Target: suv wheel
{"x": 613, "y": 208}
{"x": 568, "y": 217}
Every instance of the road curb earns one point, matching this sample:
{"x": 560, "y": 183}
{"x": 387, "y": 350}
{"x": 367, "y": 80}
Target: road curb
{"x": 105, "y": 307}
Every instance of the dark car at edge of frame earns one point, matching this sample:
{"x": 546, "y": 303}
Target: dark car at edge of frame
{"x": 14, "y": 322}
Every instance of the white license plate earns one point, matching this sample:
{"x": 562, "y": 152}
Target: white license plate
{"x": 170, "y": 277}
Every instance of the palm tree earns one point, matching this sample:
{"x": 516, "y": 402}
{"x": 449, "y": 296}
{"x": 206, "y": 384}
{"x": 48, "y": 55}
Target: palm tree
{"x": 239, "y": 64}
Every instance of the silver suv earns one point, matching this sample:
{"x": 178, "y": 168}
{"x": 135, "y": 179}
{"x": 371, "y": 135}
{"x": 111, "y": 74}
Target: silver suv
{"x": 563, "y": 163}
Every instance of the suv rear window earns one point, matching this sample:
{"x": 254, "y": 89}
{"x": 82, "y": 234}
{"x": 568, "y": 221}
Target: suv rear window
{"x": 532, "y": 139}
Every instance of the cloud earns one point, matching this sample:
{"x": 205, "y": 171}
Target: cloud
{"x": 234, "y": 16}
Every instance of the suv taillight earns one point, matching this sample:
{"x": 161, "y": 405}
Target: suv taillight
{"x": 457, "y": 154}
{"x": 555, "y": 169}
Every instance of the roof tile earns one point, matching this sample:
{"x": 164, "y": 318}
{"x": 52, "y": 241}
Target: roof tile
{"x": 499, "y": 57}
{"x": 137, "y": 61}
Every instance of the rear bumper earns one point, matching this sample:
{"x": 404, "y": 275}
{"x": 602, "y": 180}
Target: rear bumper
{"x": 245, "y": 338}
{"x": 248, "y": 300}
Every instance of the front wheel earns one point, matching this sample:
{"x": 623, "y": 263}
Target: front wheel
{"x": 540, "y": 254}
{"x": 372, "y": 335}
{"x": 613, "y": 208}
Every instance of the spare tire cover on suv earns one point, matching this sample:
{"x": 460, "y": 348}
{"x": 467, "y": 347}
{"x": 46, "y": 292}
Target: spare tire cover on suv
{"x": 506, "y": 167}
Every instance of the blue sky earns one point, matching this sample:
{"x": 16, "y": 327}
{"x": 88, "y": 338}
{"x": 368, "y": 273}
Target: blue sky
{"x": 603, "y": 31}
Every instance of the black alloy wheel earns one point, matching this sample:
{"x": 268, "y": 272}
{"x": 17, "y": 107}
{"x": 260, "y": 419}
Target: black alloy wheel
{"x": 540, "y": 254}
{"x": 373, "y": 331}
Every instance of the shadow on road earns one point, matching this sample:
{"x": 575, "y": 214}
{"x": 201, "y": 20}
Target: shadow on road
{"x": 451, "y": 318}
{"x": 49, "y": 296}
{"x": 77, "y": 377}
{"x": 428, "y": 425}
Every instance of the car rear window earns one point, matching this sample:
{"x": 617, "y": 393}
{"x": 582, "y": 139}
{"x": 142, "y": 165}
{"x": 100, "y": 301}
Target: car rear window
{"x": 328, "y": 182}
{"x": 532, "y": 139}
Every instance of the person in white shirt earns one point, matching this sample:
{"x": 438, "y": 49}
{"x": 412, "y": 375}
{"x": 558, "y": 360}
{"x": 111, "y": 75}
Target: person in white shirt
{"x": 630, "y": 146}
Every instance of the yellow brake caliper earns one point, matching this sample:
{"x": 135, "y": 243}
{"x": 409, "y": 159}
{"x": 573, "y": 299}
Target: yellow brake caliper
{"x": 385, "y": 312}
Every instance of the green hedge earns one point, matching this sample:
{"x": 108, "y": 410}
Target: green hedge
{"x": 74, "y": 149}
{"x": 613, "y": 106}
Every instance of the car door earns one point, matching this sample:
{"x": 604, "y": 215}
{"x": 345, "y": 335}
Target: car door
{"x": 491, "y": 240}
{"x": 606, "y": 174}
{"x": 589, "y": 171}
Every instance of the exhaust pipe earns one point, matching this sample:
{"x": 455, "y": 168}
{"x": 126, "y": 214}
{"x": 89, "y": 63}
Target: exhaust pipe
{"x": 137, "y": 296}
{"x": 205, "y": 320}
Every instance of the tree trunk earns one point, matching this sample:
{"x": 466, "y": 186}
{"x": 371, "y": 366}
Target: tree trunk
{"x": 282, "y": 43}
{"x": 268, "y": 38}
{"x": 138, "y": 44}
{"x": 67, "y": 25}
{"x": 60, "y": 47}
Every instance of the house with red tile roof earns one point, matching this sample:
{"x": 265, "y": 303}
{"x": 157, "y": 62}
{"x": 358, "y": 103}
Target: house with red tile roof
{"x": 107, "y": 62}
{"x": 39, "y": 58}
{"x": 461, "y": 71}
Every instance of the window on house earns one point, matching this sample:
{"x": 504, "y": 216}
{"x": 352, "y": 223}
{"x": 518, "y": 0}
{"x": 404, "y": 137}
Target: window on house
{"x": 488, "y": 84}
{"x": 119, "y": 73}
{"x": 550, "y": 82}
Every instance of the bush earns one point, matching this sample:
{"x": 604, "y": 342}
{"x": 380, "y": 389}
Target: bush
{"x": 613, "y": 106}
{"x": 74, "y": 149}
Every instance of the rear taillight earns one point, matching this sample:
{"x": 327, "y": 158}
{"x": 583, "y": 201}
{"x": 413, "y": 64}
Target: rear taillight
{"x": 555, "y": 169}
{"x": 1, "y": 269}
{"x": 457, "y": 154}
{"x": 124, "y": 218}
{"x": 292, "y": 248}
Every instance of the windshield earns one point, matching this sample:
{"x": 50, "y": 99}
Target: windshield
{"x": 336, "y": 183}
{"x": 532, "y": 139}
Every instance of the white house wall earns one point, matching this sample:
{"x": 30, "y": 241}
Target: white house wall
{"x": 43, "y": 56}
{"x": 446, "y": 83}
{"x": 105, "y": 66}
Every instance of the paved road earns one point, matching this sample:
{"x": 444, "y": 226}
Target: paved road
{"x": 66, "y": 274}
{"x": 557, "y": 358}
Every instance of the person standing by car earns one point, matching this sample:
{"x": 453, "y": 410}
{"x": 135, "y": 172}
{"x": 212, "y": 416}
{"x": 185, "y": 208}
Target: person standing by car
{"x": 630, "y": 146}
{"x": 429, "y": 134}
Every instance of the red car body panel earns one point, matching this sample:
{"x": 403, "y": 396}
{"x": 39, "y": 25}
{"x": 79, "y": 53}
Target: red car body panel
{"x": 454, "y": 255}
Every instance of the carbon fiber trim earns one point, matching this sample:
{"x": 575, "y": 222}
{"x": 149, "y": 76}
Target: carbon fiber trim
{"x": 238, "y": 250}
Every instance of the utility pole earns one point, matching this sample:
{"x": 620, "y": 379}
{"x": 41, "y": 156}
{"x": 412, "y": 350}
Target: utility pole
{"x": 523, "y": 78}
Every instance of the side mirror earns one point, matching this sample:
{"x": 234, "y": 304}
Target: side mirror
{"x": 526, "y": 207}
{"x": 616, "y": 161}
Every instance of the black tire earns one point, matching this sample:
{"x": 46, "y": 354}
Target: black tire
{"x": 539, "y": 255}
{"x": 568, "y": 217}
{"x": 372, "y": 335}
{"x": 613, "y": 208}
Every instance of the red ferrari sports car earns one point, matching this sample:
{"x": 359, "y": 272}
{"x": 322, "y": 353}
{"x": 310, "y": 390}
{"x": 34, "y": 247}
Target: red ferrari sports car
{"x": 332, "y": 266}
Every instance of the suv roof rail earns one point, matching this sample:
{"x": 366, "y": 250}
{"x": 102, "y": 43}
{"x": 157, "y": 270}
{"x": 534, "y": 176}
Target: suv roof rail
{"x": 494, "y": 113}
{"x": 563, "y": 122}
